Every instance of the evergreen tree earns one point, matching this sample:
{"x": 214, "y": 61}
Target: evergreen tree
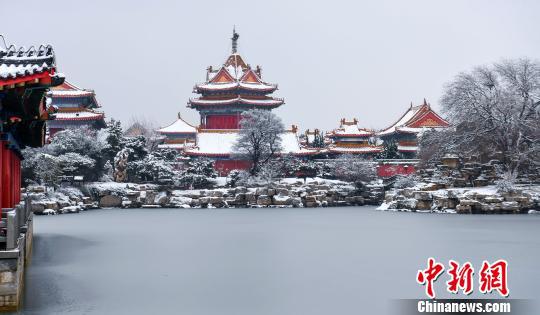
{"x": 115, "y": 139}
{"x": 318, "y": 139}
{"x": 390, "y": 151}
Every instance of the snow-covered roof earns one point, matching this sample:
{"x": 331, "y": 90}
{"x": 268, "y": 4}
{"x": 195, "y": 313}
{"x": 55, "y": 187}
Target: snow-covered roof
{"x": 176, "y": 146}
{"x": 220, "y": 143}
{"x": 291, "y": 144}
{"x": 352, "y": 130}
{"x": 84, "y": 114}
{"x": 17, "y": 63}
{"x": 210, "y": 86}
{"x": 214, "y": 143}
{"x": 68, "y": 89}
{"x": 355, "y": 150}
{"x": 408, "y": 123}
{"x": 13, "y": 71}
{"x": 407, "y": 148}
{"x": 179, "y": 126}
{"x": 237, "y": 100}
{"x": 71, "y": 92}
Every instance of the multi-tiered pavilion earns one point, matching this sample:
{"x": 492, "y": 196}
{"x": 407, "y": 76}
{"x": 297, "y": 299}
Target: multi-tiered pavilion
{"x": 229, "y": 90}
{"x": 349, "y": 138}
{"x": 76, "y": 107}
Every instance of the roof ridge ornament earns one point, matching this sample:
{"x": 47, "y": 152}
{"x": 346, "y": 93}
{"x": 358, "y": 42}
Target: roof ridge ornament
{"x": 234, "y": 40}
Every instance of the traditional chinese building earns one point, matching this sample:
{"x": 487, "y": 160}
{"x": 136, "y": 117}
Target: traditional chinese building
{"x": 229, "y": 90}
{"x": 178, "y": 135}
{"x": 76, "y": 107}
{"x": 349, "y": 138}
{"x": 406, "y": 130}
{"x": 25, "y": 76}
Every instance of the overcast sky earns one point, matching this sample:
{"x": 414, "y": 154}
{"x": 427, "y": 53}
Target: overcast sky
{"x": 331, "y": 59}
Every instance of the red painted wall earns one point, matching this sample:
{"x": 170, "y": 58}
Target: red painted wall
{"x": 224, "y": 167}
{"x": 388, "y": 170}
{"x": 222, "y": 121}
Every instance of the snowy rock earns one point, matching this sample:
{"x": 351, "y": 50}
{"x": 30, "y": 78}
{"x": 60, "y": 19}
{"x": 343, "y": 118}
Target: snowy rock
{"x": 281, "y": 200}
{"x": 110, "y": 201}
{"x": 162, "y": 199}
{"x": 49, "y": 212}
{"x": 463, "y": 208}
{"x": 37, "y": 208}
{"x": 70, "y": 209}
{"x": 422, "y": 195}
{"x": 264, "y": 200}
{"x": 510, "y": 206}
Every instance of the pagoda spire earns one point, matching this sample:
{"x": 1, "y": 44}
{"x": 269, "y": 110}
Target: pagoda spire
{"x": 234, "y": 40}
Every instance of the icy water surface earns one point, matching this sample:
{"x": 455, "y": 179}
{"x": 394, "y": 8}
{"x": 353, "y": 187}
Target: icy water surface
{"x": 261, "y": 261}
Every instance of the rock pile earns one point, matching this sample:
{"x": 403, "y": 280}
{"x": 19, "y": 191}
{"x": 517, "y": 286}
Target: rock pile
{"x": 297, "y": 194}
{"x": 67, "y": 200}
{"x": 453, "y": 172}
{"x": 486, "y": 200}
{"x": 322, "y": 193}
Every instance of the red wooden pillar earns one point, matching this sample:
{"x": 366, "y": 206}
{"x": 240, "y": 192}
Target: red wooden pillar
{"x": 1, "y": 176}
{"x": 15, "y": 171}
{"x": 7, "y": 184}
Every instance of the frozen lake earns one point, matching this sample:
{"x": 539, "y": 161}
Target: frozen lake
{"x": 261, "y": 261}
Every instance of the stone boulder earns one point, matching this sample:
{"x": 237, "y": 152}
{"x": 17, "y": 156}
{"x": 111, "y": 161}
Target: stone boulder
{"x": 282, "y": 200}
{"x": 264, "y": 200}
{"x": 110, "y": 201}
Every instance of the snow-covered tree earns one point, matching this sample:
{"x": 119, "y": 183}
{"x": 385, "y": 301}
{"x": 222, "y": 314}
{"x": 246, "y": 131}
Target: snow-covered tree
{"x": 389, "y": 151}
{"x": 73, "y": 163}
{"x": 114, "y": 139}
{"x": 259, "y": 140}
{"x": 71, "y": 152}
{"x": 352, "y": 168}
{"x": 198, "y": 173}
{"x": 156, "y": 166}
{"x": 495, "y": 111}
{"x": 318, "y": 139}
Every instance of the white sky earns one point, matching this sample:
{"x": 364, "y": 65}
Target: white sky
{"x": 331, "y": 59}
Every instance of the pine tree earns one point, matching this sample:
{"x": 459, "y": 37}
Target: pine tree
{"x": 318, "y": 139}
{"x": 115, "y": 139}
{"x": 390, "y": 151}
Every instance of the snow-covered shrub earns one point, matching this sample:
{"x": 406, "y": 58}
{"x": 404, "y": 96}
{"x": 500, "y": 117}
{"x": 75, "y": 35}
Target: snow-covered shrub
{"x": 234, "y": 176}
{"x": 351, "y": 168}
{"x": 198, "y": 173}
{"x": 76, "y": 164}
{"x": 152, "y": 169}
{"x": 505, "y": 186}
{"x": 72, "y": 152}
{"x": 405, "y": 182}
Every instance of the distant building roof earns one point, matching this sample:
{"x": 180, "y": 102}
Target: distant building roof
{"x": 180, "y": 126}
{"x": 415, "y": 120}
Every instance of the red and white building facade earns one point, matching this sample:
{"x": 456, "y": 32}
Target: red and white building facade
{"x": 75, "y": 108}
{"x": 349, "y": 138}
{"x": 25, "y": 77}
